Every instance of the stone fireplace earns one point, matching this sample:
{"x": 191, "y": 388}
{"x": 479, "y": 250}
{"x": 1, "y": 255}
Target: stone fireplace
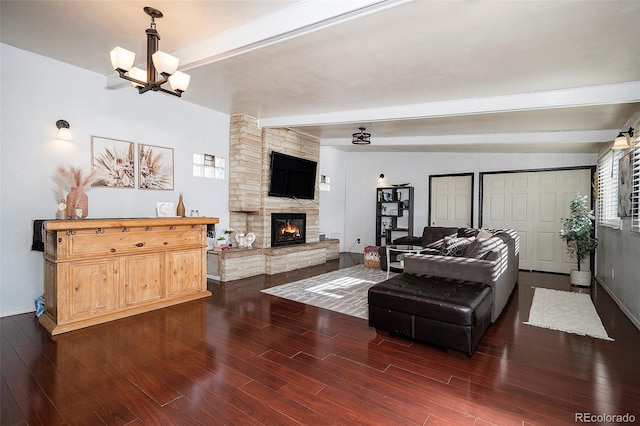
{"x": 288, "y": 229}
{"x": 251, "y": 209}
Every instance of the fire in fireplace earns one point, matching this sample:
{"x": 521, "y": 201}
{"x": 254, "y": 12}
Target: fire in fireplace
{"x": 288, "y": 228}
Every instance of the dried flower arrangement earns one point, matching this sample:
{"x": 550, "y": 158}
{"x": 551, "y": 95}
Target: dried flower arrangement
{"x": 76, "y": 179}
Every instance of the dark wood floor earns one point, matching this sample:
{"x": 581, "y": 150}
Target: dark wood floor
{"x": 242, "y": 357}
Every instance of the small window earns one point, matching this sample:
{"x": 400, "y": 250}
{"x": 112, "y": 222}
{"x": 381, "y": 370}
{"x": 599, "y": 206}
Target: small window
{"x": 608, "y": 189}
{"x": 208, "y": 166}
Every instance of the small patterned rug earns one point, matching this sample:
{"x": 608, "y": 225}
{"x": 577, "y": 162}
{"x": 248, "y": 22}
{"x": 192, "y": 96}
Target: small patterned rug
{"x": 344, "y": 290}
{"x": 566, "y": 311}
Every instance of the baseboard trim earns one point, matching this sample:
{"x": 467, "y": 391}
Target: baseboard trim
{"x": 633, "y": 319}
{"x": 10, "y": 314}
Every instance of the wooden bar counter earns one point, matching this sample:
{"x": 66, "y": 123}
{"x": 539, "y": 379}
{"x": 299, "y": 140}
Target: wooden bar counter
{"x": 99, "y": 270}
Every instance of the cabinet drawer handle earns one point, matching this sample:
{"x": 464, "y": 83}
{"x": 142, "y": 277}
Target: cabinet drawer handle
{"x": 99, "y": 231}
{"x": 112, "y": 250}
{"x": 140, "y": 245}
{"x": 172, "y": 227}
{"x": 125, "y": 229}
{"x": 166, "y": 243}
{"x": 148, "y": 228}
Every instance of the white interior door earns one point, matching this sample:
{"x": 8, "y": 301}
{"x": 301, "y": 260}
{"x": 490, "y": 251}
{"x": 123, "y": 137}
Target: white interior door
{"x": 533, "y": 204}
{"x": 451, "y": 200}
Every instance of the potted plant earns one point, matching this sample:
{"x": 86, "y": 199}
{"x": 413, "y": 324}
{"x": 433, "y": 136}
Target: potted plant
{"x": 577, "y": 231}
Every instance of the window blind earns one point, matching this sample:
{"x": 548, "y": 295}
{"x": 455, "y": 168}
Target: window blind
{"x": 607, "y": 207}
{"x": 635, "y": 192}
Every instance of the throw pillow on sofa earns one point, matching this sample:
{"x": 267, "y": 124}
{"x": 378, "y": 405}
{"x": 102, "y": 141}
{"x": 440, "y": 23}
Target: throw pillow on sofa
{"x": 453, "y": 246}
{"x": 481, "y": 248}
{"x": 483, "y": 233}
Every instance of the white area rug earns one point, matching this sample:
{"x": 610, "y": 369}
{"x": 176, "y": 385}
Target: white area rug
{"x": 344, "y": 290}
{"x": 566, "y": 311}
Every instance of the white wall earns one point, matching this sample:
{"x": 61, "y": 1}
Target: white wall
{"x": 37, "y": 91}
{"x": 332, "y": 203}
{"x": 362, "y": 170}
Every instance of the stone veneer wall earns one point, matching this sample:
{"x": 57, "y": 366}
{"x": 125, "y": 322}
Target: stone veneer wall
{"x": 250, "y": 207}
{"x": 249, "y": 160}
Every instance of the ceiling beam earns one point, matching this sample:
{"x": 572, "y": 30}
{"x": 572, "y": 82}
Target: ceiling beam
{"x": 610, "y": 94}
{"x": 557, "y": 137}
{"x": 296, "y": 20}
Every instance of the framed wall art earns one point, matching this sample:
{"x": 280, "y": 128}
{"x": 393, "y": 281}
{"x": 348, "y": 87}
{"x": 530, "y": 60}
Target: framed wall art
{"x": 625, "y": 186}
{"x": 155, "y": 167}
{"x": 165, "y": 209}
{"x": 114, "y": 162}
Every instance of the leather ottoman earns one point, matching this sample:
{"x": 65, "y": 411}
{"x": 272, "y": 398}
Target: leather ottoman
{"x": 444, "y": 312}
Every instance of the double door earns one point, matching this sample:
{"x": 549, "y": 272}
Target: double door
{"x": 533, "y": 204}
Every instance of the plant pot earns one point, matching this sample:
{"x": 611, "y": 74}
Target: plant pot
{"x": 581, "y": 278}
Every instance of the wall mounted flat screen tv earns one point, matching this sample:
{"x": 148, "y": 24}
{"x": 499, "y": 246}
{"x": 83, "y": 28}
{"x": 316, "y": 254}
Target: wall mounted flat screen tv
{"x": 292, "y": 177}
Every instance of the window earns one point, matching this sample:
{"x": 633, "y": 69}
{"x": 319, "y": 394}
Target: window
{"x": 607, "y": 207}
{"x": 635, "y": 192}
{"x": 208, "y": 166}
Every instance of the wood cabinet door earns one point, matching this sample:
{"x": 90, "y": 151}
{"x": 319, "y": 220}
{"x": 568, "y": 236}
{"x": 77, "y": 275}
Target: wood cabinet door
{"x": 186, "y": 272}
{"x": 91, "y": 288}
{"x": 142, "y": 277}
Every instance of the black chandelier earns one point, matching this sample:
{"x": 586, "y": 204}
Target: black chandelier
{"x": 361, "y": 138}
{"x": 158, "y": 62}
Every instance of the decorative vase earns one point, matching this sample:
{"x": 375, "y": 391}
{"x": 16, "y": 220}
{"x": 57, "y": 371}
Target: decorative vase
{"x": 250, "y": 239}
{"x": 581, "y": 278}
{"x": 240, "y": 239}
{"x": 77, "y": 199}
{"x": 61, "y": 214}
{"x": 180, "y": 211}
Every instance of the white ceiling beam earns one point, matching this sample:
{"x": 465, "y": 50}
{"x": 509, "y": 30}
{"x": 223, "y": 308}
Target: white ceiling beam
{"x": 296, "y": 20}
{"x": 562, "y": 137}
{"x": 609, "y": 94}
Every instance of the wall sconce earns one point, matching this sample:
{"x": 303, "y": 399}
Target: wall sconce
{"x": 381, "y": 178}
{"x": 63, "y": 129}
{"x": 621, "y": 142}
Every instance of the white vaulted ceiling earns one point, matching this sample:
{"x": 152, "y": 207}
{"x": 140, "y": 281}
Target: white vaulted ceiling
{"x": 520, "y": 76}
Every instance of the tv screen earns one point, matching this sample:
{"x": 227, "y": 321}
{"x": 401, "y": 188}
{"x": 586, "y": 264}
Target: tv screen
{"x": 292, "y": 177}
